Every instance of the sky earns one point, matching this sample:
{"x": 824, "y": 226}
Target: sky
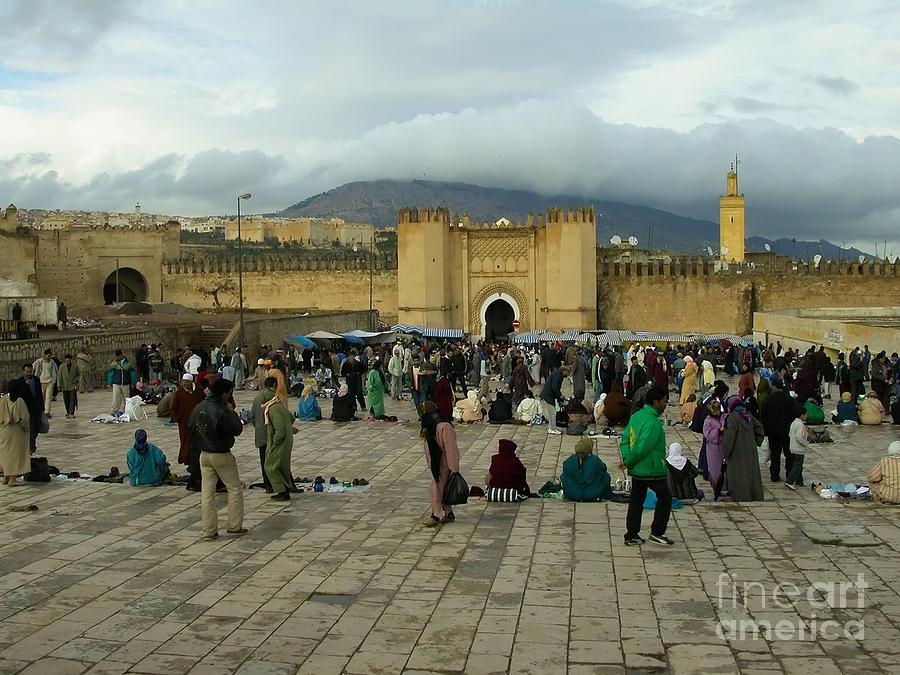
{"x": 181, "y": 105}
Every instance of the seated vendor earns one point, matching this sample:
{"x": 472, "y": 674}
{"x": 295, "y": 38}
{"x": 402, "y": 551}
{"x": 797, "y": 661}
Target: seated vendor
{"x": 529, "y": 408}
{"x": 584, "y": 476}
{"x": 468, "y": 409}
{"x": 507, "y": 470}
{"x": 343, "y": 406}
{"x": 501, "y": 410}
{"x": 576, "y": 411}
{"x": 846, "y": 410}
{"x": 884, "y": 478}
{"x": 147, "y": 466}
{"x": 308, "y": 409}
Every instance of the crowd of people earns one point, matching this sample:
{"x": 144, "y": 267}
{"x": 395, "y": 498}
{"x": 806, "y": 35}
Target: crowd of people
{"x": 780, "y": 393}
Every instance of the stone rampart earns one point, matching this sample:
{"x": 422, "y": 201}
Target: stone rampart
{"x": 694, "y": 294}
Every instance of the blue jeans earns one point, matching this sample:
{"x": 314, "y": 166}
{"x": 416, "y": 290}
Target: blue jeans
{"x": 598, "y": 389}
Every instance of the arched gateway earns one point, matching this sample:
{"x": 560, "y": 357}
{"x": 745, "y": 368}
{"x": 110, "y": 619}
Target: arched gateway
{"x": 480, "y": 278}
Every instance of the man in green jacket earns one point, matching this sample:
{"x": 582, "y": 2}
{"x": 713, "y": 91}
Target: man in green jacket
{"x": 643, "y": 451}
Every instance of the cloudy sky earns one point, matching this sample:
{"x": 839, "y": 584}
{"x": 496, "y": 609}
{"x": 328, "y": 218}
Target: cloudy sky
{"x": 182, "y": 105}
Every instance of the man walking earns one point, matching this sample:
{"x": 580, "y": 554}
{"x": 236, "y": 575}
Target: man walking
{"x": 213, "y": 427}
{"x": 46, "y": 371}
{"x": 776, "y": 417}
{"x": 857, "y": 374}
{"x": 67, "y": 382}
{"x": 551, "y": 395}
{"x": 643, "y": 451}
{"x": 395, "y": 369}
{"x": 85, "y": 363}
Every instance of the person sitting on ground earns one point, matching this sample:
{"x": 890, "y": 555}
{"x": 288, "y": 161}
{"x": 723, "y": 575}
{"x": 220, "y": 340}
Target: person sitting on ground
{"x": 814, "y": 413}
{"x": 870, "y": 410}
{"x": 682, "y": 475}
{"x": 600, "y": 420}
{"x": 846, "y": 410}
{"x": 343, "y": 407}
{"x": 164, "y": 407}
{"x": 884, "y": 478}
{"x": 617, "y": 408}
{"x": 308, "y": 409}
{"x": 468, "y": 409}
{"x": 584, "y": 476}
{"x": 688, "y": 409}
{"x": 577, "y": 412}
{"x": 323, "y": 376}
{"x": 501, "y": 410}
{"x": 507, "y": 470}
{"x": 529, "y": 408}
{"x": 147, "y": 465}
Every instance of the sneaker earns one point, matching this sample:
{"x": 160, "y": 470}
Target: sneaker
{"x": 661, "y": 539}
{"x": 789, "y": 486}
{"x": 243, "y": 530}
{"x": 555, "y": 432}
{"x": 634, "y": 541}
{"x": 449, "y": 517}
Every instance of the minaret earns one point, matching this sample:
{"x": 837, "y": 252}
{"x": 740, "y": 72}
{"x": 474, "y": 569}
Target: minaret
{"x": 731, "y": 218}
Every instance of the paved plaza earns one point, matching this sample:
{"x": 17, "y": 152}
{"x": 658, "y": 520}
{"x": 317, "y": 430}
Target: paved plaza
{"x": 105, "y": 578}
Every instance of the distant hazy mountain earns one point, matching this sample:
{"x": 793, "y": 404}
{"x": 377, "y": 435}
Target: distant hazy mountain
{"x": 378, "y": 201}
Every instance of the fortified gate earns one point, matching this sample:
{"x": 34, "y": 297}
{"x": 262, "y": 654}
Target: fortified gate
{"x": 456, "y": 274}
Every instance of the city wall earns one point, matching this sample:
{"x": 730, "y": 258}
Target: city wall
{"x": 288, "y": 282}
{"x": 691, "y": 294}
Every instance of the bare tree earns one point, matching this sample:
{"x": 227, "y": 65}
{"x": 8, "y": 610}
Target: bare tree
{"x": 220, "y": 284}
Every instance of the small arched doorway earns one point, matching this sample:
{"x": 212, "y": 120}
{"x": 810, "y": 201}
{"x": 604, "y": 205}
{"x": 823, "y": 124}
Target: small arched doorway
{"x": 498, "y": 318}
{"x": 132, "y": 286}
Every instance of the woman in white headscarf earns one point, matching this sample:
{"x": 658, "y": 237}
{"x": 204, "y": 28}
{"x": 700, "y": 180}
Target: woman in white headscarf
{"x": 884, "y": 478}
{"x": 709, "y": 378}
{"x": 468, "y": 409}
{"x": 681, "y": 476}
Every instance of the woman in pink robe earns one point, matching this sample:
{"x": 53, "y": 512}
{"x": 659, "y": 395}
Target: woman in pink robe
{"x": 442, "y": 457}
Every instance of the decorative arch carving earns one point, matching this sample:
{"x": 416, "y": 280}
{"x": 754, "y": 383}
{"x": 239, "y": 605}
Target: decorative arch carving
{"x": 503, "y": 288}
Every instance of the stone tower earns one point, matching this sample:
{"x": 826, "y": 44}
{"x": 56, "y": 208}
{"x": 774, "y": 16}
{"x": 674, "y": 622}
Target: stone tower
{"x": 731, "y": 219}
{"x": 570, "y": 295}
{"x": 423, "y": 279}
{"x": 9, "y": 219}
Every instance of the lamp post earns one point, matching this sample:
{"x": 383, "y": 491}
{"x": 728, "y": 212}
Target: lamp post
{"x": 371, "y": 284}
{"x": 117, "y": 281}
{"x": 246, "y": 195}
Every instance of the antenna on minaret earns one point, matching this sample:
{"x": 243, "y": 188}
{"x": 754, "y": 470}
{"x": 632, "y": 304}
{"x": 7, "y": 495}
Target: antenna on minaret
{"x": 736, "y": 162}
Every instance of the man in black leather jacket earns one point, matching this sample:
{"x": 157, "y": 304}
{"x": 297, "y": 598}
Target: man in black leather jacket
{"x": 213, "y": 426}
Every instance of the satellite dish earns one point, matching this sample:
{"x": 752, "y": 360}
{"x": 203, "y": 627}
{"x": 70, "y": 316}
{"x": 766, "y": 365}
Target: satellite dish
{"x": 709, "y": 250}
{"x": 615, "y": 240}
{"x": 768, "y": 248}
{"x": 633, "y": 240}
{"x": 862, "y": 259}
{"x": 724, "y": 250}
{"x": 817, "y": 259}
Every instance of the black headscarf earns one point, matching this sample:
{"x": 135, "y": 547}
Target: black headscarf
{"x": 430, "y": 421}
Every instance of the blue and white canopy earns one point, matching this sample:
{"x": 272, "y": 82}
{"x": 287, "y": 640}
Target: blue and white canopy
{"x": 448, "y": 333}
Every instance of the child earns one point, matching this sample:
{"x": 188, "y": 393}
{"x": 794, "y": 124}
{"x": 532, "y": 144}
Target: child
{"x": 799, "y": 443}
{"x": 681, "y": 476}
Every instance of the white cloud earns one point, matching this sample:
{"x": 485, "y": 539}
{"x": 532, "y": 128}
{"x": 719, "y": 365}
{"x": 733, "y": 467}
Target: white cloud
{"x": 177, "y": 104}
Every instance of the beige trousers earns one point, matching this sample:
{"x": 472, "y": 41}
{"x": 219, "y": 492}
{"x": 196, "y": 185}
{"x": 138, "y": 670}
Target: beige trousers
{"x": 215, "y": 466}
{"x": 47, "y": 391}
{"x": 120, "y": 393}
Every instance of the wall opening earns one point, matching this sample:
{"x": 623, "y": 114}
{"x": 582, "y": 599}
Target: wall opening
{"x": 132, "y": 286}
{"x": 498, "y": 318}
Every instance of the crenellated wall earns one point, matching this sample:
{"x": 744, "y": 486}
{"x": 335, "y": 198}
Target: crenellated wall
{"x": 303, "y": 281}
{"x": 692, "y": 294}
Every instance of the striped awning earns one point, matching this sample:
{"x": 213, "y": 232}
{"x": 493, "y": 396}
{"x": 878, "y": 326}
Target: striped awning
{"x": 529, "y": 338}
{"x": 449, "y": 333}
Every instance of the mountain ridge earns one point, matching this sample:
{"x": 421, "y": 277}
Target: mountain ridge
{"x": 377, "y": 202}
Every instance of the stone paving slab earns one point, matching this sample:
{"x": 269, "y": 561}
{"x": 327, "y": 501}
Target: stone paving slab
{"x": 106, "y": 578}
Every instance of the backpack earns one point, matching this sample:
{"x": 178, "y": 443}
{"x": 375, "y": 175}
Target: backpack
{"x": 576, "y": 429}
{"x": 819, "y": 436}
{"x": 40, "y": 471}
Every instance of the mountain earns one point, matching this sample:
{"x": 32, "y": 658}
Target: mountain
{"x": 805, "y": 250}
{"x": 378, "y": 201}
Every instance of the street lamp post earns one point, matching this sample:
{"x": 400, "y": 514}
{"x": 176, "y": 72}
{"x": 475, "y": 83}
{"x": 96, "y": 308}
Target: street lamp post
{"x": 246, "y": 195}
{"x": 371, "y": 284}
{"x": 117, "y": 281}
